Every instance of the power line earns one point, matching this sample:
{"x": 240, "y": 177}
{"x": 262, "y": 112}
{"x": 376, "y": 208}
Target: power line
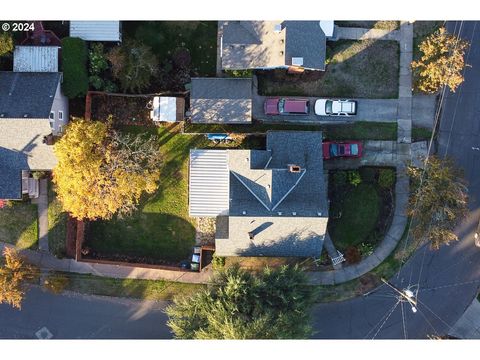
{"x": 391, "y": 312}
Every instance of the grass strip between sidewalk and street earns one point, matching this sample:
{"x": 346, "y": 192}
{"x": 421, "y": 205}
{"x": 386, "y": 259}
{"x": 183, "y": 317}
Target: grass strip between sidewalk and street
{"x": 128, "y": 288}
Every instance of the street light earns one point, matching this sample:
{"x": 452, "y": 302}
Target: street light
{"x": 406, "y": 294}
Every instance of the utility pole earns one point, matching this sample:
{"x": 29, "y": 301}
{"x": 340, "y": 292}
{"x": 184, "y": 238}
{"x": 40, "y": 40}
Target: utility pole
{"x": 406, "y": 295}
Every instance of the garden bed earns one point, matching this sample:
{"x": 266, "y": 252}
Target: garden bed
{"x": 361, "y": 208}
{"x": 380, "y": 24}
{"x": 360, "y": 69}
{"x": 123, "y": 109}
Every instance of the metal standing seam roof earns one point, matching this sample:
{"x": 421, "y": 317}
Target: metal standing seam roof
{"x": 209, "y": 188}
{"x": 35, "y": 59}
{"x": 96, "y": 30}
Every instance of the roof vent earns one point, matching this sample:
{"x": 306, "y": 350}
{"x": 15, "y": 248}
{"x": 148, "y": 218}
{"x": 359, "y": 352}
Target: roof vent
{"x": 297, "y": 61}
{"x": 294, "y": 213}
{"x": 2, "y": 115}
{"x": 251, "y": 235}
{"x": 242, "y": 46}
{"x": 319, "y": 213}
{"x": 277, "y": 28}
{"x": 282, "y": 41}
{"x": 281, "y": 52}
{"x": 25, "y": 115}
{"x": 244, "y": 212}
{"x": 294, "y": 168}
{"x": 280, "y": 213}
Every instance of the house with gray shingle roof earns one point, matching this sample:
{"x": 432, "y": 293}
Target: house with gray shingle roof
{"x": 32, "y": 108}
{"x": 270, "y": 202}
{"x": 273, "y": 44}
{"x": 221, "y": 100}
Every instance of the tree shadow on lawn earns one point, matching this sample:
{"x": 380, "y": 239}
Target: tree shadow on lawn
{"x": 19, "y": 225}
{"x": 151, "y": 238}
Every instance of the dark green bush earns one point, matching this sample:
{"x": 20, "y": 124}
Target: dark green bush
{"x": 74, "y": 67}
{"x": 386, "y": 178}
{"x": 368, "y": 174}
{"x": 339, "y": 178}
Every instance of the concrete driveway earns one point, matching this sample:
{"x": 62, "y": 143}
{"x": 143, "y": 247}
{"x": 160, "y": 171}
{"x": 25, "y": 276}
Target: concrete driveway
{"x": 381, "y": 110}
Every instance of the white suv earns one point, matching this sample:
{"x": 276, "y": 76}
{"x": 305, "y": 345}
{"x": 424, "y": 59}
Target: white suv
{"x": 328, "y": 107}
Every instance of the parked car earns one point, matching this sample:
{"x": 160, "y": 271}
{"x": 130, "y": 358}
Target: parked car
{"x": 284, "y": 106}
{"x": 333, "y": 150}
{"x": 327, "y": 107}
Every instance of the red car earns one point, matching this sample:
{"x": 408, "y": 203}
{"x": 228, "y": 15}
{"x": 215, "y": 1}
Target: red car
{"x": 333, "y": 150}
{"x": 283, "y": 106}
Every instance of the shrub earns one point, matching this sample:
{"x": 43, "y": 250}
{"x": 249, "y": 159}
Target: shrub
{"x": 97, "y": 59}
{"x": 386, "y": 178}
{"x": 368, "y": 174}
{"x": 352, "y": 255}
{"x": 247, "y": 73}
{"x": 365, "y": 249}
{"x": 340, "y": 178}
{"x": 6, "y": 43}
{"x": 133, "y": 65}
{"x": 74, "y": 67}
{"x": 218, "y": 262}
{"x": 354, "y": 178}
{"x": 96, "y": 82}
{"x": 39, "y": 174}
{"x": 56, "y": 283}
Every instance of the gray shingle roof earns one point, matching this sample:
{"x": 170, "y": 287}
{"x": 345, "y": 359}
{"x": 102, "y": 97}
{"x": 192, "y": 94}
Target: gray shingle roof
{"x": 22, "y": 148}
{"x": 256, "y": 44}
{"x": 221, "y": 100}
{"x": 272, "y": 236}
{"x": 25, "y": 93}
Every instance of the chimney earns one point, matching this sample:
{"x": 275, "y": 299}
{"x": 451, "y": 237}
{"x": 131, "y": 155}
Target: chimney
{"x": 251, "y": 235}
{"x": 294, "y": 168}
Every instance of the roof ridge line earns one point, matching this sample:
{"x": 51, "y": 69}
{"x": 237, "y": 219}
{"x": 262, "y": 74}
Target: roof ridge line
{"x": 250, "y": 190}
{"x": 304, "y": 171}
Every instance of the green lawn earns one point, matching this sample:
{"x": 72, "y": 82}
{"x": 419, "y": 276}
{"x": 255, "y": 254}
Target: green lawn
{"x": 359, "y": 130}
{"x": 361, "y": 69}
{"x": 381, "y": 24}
{"x": 131, "y": 288}
{"x": 164, "y": 37}
{"x": 359, "y": 212}
{"x": 160, "y": 229}
{"x": 421, "y": 133}
{"x": 19, "y": 225}
{"x": 57, "y": 224}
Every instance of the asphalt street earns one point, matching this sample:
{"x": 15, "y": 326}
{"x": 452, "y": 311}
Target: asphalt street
{"x": 74, "y": 316}
{"x": 448, "y": 279}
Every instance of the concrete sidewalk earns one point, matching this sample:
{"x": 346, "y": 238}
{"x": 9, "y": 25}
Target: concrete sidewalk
{"x": 468, "y": 326}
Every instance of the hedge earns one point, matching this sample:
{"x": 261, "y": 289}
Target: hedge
{"x": 74, "y": 67}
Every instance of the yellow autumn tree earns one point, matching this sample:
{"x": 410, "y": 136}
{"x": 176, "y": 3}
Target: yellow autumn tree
{"x": 441, "y": 62}
{"x": 13, "y": 276}
{"x": 101, "y": 172}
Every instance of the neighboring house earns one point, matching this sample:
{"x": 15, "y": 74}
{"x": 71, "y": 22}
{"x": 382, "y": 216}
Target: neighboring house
{"x": 273, "y": 44}
{"x": 269, "y": 202}
{"x": 96, "y": 30}
{"x": 221, "y": 100}
{"x": 32, "y": 108}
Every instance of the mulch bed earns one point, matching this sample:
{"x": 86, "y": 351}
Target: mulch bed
{"x": 125, "y": 110}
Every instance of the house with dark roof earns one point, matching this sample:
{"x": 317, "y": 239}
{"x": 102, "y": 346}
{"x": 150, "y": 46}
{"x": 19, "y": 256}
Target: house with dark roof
{"x": 269, "y": 202}
{"x": 32, "y": 110}
{"x": 221, "y": 100}
{"x": 273, "y": 44}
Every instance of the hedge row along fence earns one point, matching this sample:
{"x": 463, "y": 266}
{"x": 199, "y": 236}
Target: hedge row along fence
{"x": 74, "y": 67}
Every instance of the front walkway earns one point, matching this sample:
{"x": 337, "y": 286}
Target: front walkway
{"x": 42, "y": 206}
